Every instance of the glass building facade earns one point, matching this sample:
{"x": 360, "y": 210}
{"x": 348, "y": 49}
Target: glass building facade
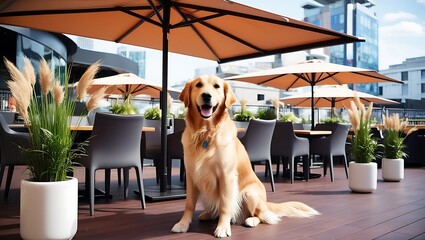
{"x": 351, "y": 17}
{"x": 18, "y": 43}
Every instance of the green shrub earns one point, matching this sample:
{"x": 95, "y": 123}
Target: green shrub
{"x": 289, "y": 117}
{"x": 126, "y": 108}
{"x": 266, "y": 114}
{"x": 153, "y": 113}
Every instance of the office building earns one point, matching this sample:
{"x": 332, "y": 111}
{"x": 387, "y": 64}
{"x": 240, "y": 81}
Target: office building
{"x": 137, "y": 56}
{"x": 354, "y": 17}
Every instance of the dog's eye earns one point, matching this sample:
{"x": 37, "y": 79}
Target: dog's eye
{"x": 216, "y": 86}
{"x": 198, "y": 85}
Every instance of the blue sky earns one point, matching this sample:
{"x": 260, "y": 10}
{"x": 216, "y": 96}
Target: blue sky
{"x": 401, "y": 36}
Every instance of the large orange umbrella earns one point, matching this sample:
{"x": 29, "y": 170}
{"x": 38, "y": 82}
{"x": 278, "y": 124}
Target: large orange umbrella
{"x": 312, "y": 73}
{"x": 129, "y": 84}
{"x": 219, "y": 30}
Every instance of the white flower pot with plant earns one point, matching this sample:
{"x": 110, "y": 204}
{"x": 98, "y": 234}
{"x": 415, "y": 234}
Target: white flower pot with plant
{"x": 362, "y": 171}
{"x": 393, "y": 162}
{"x": 49, "y": 198}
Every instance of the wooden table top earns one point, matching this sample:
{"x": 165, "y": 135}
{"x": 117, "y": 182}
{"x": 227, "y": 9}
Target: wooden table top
{"x": 312, "y": 132}
{"x": 82, "y": 128}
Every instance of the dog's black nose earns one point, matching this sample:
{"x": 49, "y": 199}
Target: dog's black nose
{"x": 206, "y": 97}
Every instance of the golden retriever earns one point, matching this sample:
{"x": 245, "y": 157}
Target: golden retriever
{"x": 218, "y": 167}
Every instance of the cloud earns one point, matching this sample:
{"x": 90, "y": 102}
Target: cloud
{"x": 421, "y": 1}
{"x": 402, "y": 29}
{"x": 400, "y": 41}
{"x": 399, "y": 16}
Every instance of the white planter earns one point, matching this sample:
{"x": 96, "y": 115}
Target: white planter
{"x": 49, "y": 210}
{"x": 363, "y": 177}
{"x": 393, "y": 169}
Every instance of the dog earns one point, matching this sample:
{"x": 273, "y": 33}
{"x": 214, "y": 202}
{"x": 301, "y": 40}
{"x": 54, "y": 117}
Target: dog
{"x": 218, "y": 167}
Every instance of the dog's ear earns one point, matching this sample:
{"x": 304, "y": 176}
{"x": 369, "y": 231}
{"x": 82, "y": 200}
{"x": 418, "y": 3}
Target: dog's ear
{"x": 185, "y": 94}
{"x": 229, "y": 95}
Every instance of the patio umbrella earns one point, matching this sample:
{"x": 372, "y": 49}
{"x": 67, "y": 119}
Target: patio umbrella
{"x": 312, "y": 73}
{"x": 215, "y": 29}
{"x": 129, "y": 84}
{"x": 333, "y": 96}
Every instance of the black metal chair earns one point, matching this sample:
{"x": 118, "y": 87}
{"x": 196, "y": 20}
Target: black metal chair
{"x": 10, "y": 152}
{"x": 257, "y": 142}
{"x": 285, "y": 144}
{"x": 330, "y": 146}
{"x": 115, "y": 143}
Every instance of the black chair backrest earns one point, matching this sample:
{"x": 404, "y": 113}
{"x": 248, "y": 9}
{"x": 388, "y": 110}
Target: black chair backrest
{"x": 258, "y": 138}
{"x": 115, "y": 140}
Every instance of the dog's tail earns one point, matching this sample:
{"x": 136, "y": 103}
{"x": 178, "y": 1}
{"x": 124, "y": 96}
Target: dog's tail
{"x": 292, "y": 209}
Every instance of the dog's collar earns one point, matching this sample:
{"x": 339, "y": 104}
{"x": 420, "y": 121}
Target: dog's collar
{"x": 205, "y": 144}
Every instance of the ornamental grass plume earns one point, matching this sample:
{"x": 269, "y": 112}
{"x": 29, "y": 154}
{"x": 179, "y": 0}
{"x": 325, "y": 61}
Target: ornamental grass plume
{"x": 276, "y": 103}
{"x": 243, "y": 115}
{"x": 394, "y": 135}
{"x": 363, "y": 144}
{"x": 51, "y": 154}
{"x": 86, "y": 81}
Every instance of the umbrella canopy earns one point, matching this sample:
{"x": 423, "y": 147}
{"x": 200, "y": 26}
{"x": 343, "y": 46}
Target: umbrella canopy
{"x": 214, "y": 29}
{"x": 217, "y": 30}
{"x": 312, "y": 73}
{"x": 129, "y": 84}
{"x": 333, "y": 96}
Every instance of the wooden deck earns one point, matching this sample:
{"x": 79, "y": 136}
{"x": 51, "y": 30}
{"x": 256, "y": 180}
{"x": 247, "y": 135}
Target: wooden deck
{"x": 395, "y": 211}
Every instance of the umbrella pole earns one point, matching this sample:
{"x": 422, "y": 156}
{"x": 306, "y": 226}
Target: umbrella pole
{"x": 164, "y": 193}
{"x": 312, "y": 107}
{"x": 164, "y": 156}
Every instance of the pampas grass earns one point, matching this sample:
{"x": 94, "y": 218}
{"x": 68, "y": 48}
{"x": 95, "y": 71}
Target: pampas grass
{"x": 394, "y": 136}
{"x": 51, "y": 155}
{"x": 86, "y": 81}
{"x": 363, "y": 144}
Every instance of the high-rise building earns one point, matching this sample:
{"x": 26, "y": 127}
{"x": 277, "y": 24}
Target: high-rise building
{"x": 354, "y": 17}
{"x": 137, "y": 56}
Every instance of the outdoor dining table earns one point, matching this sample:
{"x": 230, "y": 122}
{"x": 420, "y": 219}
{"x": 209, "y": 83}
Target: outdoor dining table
{"x": 310, "y": 134}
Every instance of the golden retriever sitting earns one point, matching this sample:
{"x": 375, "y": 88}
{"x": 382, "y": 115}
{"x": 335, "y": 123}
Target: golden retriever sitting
{"x": 218, "y": 167}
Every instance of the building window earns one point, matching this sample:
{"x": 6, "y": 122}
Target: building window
{"x": 404, "y": 76}
{"x": 422, "y": 87}
{"x": 380, "y": 91}
{"x": 260, "y": 97}
{"x": 423, "y": 74}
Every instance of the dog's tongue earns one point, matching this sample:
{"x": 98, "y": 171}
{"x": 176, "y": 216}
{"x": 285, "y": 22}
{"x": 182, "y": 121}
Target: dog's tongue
{"x": 206, "y": 111}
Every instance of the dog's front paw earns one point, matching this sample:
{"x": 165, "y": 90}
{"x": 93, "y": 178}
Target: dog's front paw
{"x": 180, "y": 227}
{"x": 223, "y": 231}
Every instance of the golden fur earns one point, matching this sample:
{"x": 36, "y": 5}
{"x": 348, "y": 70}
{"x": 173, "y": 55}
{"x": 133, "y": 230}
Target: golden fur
{"x": 218, "y": 168}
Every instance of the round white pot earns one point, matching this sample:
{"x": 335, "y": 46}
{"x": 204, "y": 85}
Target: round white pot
{"x": 393, "y": 169}
{"x": 49, "y": 210}
{"x": 363, "y": 177}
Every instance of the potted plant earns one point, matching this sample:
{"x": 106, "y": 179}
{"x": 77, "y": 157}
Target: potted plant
{"x": 127, "y": 107}
{"x": 49, "y": 198}
{"x": 243, "y": 115}
{"x": 394, "y": 135}
{"x": 362, "y": 171}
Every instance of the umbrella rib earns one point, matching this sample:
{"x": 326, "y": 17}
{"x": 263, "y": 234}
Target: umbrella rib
{"x": 70, "y": 11}
{"x": 284, "y": 21}
{"x": 144, "y": 19}
{"x": 290, "y": 49}
{"x": 156, "y": 11}
{"x": 192, "y": 21}
{"x": 261, "y": 51}
{"x": 197, "y": 32}
{"x": 378, "y": 77}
